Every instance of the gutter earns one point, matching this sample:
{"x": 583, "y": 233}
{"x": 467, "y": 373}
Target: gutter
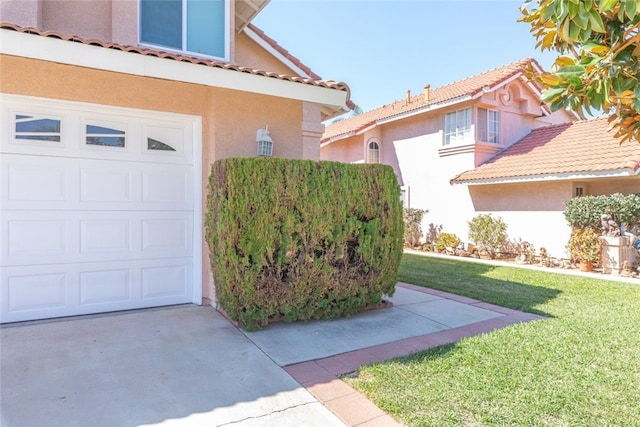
{"x": 51, "y": 49}
{"x": 613, "y": 173}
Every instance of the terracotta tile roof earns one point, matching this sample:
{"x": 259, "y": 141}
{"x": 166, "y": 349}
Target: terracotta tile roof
{"x": 283, "y": 51}
{"x": 461, "y": 89}
{"x": 315, "y": 80}
{"x": 583, "y": 147}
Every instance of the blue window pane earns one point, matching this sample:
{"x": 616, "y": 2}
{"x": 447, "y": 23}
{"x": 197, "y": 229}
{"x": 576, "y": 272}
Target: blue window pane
{"x": 37, "y": 125}
{"x": 161, "y": 22}
{"x": 205, "y": 27}
{"x": 92, "y": 129}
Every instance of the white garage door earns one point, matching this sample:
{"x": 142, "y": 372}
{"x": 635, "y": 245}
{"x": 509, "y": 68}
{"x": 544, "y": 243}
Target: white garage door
{"x": 96, "y": 209}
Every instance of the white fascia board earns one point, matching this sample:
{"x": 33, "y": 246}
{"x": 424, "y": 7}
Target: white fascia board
{"x": 499, "y": 85}
{"x": 616, "y": 173}
{"x": 280, "y": 57}
{"x": 347, "y": 135}
{"x": 337, "y": 138}
{"x": 425, "y": 109}
{"x": 101, "y": 58}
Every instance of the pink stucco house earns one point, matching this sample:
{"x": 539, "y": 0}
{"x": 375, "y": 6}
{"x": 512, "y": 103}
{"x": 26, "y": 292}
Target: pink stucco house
{"x": 112, "y": 113}
{"x": 488, "y": 144}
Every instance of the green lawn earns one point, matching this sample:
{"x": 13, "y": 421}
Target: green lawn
{"x": 580, "y": 366}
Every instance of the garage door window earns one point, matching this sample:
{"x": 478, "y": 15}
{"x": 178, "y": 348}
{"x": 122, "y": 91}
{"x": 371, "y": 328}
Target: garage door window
{"x": 154, "y": 144}
{"x": 34, "y": 128}
{"x": 103, "y": 136}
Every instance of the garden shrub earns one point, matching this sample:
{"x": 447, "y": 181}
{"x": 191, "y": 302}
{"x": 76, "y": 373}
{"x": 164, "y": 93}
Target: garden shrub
{"x": 298, "y": 239}
{"x": 449, "y": 240}
{"x": 586, "y": 211}
{"x": 413, "y": 226}
{"x": 488, "y": 233}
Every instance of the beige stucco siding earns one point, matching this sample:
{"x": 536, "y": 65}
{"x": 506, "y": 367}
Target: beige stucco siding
{"x": 90, "y": 19}
{"x": 229, "y": 118}
{"x": 249, "y": 54}
{"x": 547, "y": 196}
{"x": 532, "y": 211}
{"x": 613, "y": 185}
{"x": 348, "y": 150}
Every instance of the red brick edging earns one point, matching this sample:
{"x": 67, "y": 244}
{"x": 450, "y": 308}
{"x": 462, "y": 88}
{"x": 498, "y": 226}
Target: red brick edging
{"x": 322, "y": 377}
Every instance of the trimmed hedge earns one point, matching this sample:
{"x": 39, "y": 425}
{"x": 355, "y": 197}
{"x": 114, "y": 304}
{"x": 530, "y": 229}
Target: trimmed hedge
{"x": 298, "y": 239}
{"x": 586, "y": 211}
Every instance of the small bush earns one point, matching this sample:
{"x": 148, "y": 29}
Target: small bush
{"x": 488, "y": 233}
{"x": 433, "y": 233}
{"x": 520, "y": 249}
{"x": 413, "y": 226}
{"x": 298, "y": 240}
{"x": 586, "y": 211}
{"x": 449, "y": 240}
{"x": 585, "y": 245}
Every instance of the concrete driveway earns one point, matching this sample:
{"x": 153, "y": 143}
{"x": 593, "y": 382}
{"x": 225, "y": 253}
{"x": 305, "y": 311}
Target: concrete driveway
{"x": 189, "y": 366}
{"x": 178, "y": 366}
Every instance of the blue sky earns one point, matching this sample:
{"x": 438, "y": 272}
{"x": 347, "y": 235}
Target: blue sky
{"x": 381, "y": 48}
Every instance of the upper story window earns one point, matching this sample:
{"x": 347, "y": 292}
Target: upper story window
{"x": 488, "y": 125}
{"x": 457, "y": 126}
{"x": 197, "y": 27}
{"x": 373, "y": 152}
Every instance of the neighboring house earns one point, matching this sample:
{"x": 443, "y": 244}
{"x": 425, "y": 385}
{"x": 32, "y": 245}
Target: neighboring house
{"x": 111, "y": 114}
{"x": 488, "y": 144}
{"x": 528, "y": 183}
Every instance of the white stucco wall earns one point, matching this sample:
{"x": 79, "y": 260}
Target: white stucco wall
{"x": 426, "y": 175}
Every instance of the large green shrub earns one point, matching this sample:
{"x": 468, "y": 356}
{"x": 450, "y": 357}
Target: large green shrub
{"x": 413, "y": 226}
{"x": 488, "y": 233}
{"x": 297, "y": 239}
{"x": 586, "y": 211}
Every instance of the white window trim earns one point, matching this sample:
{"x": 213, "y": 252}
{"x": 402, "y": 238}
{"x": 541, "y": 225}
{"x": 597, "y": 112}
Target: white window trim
{"x": 369, "y": 150}
{"x": 457, "y": 133}
{"x": 489, "y": 111}
{"x": 227, "y": 33}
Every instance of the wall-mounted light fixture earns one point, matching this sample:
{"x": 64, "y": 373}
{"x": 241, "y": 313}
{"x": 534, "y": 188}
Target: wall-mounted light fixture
{"x": 265, "y": 143}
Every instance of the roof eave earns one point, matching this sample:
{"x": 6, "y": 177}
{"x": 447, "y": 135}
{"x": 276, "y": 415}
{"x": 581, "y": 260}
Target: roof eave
{"x": 98, "y": 57}
{"x": 349, "y": 134}
{"x": 425, "y": 109}
{"x": 613, "y": 173}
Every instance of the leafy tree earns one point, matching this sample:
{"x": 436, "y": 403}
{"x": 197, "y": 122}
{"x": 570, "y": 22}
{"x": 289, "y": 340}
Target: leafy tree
{"x": 599, "y": 62}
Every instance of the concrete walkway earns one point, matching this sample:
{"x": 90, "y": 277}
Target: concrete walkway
{"x": 189, "y": 366}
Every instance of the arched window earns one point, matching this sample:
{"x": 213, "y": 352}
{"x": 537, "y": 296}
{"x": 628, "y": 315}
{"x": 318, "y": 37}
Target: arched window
{"x": 373, "y": 153}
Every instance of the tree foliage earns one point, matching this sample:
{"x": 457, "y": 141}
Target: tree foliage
{"x": 598, "y": 66}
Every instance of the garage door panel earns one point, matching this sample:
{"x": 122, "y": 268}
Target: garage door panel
{"x": 97, "y": 208}
{"x": 40, "y": 292}
{"x": 49, "y": 237}
{"x": 55, "y": 183}
{"x": 165, "y": 281}
{"x": 163, "y": 185}
{"x": 105, "y": 286}
{"x": 36, "y": 182}
{"x": 29, "y": 291}
{"x": 106, "y": 185}
{"x": 36, "y": 239}
{"x": 108, "y": 235}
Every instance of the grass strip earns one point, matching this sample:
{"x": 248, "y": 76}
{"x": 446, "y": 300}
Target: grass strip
{"x": 579, "y": 366}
